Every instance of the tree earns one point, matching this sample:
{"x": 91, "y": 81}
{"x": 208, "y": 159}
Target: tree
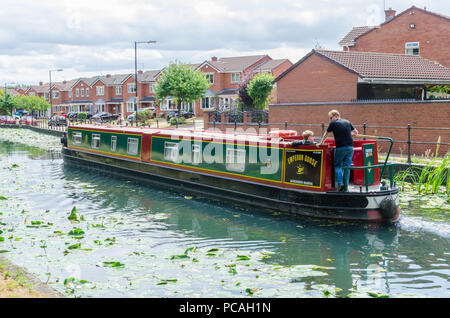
{"x": 244, "y": 98}
{"x": 260, "y": 88}
{"x": 31, "y": 103}
{"x": 7, "y": 103}
{"x": 181, "y": 82}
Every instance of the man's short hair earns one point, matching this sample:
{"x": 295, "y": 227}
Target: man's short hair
{"x": 333, "y": 113}
{"x": 306, "y": 134}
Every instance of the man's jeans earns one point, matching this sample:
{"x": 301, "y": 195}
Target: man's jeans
{"x": 342, "y": 158}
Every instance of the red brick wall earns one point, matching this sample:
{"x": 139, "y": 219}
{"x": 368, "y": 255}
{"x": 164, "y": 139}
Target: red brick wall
{"x": 315, "y": 80}
{"x": 421, "y": 114}
{"x": 431, "y": 31}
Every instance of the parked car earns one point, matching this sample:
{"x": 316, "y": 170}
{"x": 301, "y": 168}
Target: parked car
{"x": 72, "y": 116}
{"x": 20, "y": 113}
{"x": 8, "y": 120}
{"x": 64, "y": 114}
{"x": 57, "y": 121}
{"x": 3, "y": 119}
{"x": 28, "y": 120}
{"x": 130, "y": 118}
{"x": 173, "y": 113}
{"x": 105, "y": 116}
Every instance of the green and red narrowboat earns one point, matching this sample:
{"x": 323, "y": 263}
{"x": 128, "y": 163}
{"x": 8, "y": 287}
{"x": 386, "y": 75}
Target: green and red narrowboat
{"x": 264, "y": 171}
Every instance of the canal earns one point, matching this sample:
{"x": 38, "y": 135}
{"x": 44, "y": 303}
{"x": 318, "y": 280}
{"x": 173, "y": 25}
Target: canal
{"x": 88, "y": 234}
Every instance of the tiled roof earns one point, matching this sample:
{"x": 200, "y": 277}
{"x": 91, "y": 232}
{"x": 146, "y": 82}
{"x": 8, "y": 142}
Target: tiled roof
{"x": 235, "y": 64}
{"x": 388, "y": 65}
{"x": 148, "y": 76}
{"x": 269, "y": 65}
{"x": 349, "y": 39}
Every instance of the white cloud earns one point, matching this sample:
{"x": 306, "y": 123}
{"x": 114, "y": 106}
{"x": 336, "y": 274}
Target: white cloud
{"x": 97, "y": 36}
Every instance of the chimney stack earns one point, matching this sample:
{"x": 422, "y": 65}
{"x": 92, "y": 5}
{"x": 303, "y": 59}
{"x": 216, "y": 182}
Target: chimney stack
{"x": 389, "y": 14}
{"x": 40, "y": 83}
{"x": 140, "y": 72}
{"x": 108, "y": 75}
{"x": 214, "y": 58}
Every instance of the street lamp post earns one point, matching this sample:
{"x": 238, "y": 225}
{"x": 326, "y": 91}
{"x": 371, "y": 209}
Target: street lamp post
{"x": 135, "y": 75}
{"x": 50, "y": 91}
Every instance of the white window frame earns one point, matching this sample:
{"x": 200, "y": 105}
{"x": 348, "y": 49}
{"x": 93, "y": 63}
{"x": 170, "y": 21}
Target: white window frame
{"x": 131, "y": 88}
{"x": 152, "y": 88}
{"x": 55, "y": 94}
{"x": 210, "y": 103}
{"x": 77, "y": 92}
{"x": 133, "y": 146}
{"x": 411, "y": 46}
{"x": 210, "y": 77}
{"x": 82, "y": 92}
{"x": 100, "y": 90}
{"x": 235, "y": 159}
{"x": 118, "y": 90}
{"x": 95, "y": 142}
{"x": 233, "y": 78}
{"x": 113, "y": 143}
{"x": 77, "y": 137}
{"x": 87, "y": 91}
{"x": 130, "y": 107}
{"x": 171, "y": 151}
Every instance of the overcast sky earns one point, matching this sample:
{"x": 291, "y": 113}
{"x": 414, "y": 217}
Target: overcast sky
{"x": 96, "y": 37}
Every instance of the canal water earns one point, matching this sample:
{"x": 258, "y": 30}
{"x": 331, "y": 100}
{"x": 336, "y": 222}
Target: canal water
{"x": 127, "y": 239}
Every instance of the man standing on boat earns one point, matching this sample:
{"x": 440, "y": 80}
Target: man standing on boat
{"x": 343, "y": 131}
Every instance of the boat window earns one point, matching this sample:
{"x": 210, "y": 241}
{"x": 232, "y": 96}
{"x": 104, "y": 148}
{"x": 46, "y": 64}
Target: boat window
{"x": 77, "y": 137}
{"x": 95, "y": 141}
{"x": 171, "y": 151}
{"x": 196, "y": 154}
{"x": 132, "y": 148}
{"x": 235, "y": 160}
{"x": 113, "y": 143}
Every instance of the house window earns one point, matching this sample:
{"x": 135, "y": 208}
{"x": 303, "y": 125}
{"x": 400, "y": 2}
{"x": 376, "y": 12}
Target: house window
{"x": 70, "y": 95}
{"x": 95, "y": 141}
{"x": 100, "y": 90}
{"x": 87, "y": 92}
{"x": 207, "y": 102}
{"x": 55, "y": 94}
{"x": 77, "y": 137}
{"x": 196, "y": 154}
{"x": 133, "y": 146}
{"x": 113, "y": 143}
{"x": 132, "y": 88}
{"x": 130, "y": 107}
{"x": 171, "y": 151}
{"x": 82, "y": 92}
{"x": 210, "y": 77}
{"x": 32, "y": 94}
{"x": 46, "y": 96}
{"x": 412, "y": 48}
{"x": 152, "y": 88}
{"x": 77, "y": 92}
{"x": 235, "y": 160}
{"x": 235, "y": 77}
{"x": 118, "y": 90}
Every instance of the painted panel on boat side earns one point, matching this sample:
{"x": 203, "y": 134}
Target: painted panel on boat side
{"x": 303, "y": 167}
{"x": 105, "y": 142}
{"x": 257, "y": 162}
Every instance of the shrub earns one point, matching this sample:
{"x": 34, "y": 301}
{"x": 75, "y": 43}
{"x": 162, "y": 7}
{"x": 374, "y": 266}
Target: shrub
{"x": 81, "y": 116}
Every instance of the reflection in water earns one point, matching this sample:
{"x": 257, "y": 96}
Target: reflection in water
{"x": 384, "y": 258}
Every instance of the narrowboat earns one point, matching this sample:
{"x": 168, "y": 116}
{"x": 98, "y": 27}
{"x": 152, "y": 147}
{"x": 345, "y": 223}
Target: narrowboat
{"x": 261, "y": 170}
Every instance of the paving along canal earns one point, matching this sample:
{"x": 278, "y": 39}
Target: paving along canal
{"x": 131, "y": 240}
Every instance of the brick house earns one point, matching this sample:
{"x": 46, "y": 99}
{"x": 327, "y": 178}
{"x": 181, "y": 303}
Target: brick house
{"x": 382, "y": 89}
{"x": 225, "y": 74}
{"x": 413, "y": 31}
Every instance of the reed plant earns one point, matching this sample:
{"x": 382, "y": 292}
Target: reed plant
{"x": 433, "y": 178}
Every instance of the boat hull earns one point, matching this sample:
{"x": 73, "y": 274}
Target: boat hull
{"x": 349, "y": 206}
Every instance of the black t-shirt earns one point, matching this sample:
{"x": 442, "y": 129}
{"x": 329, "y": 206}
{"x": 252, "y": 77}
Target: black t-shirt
{"x": 341, "y": 129}
{"x": 64, "y": 140}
